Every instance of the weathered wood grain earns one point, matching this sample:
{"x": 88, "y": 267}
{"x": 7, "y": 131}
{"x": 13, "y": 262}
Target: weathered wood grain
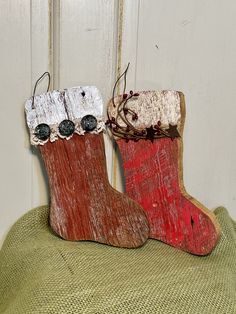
{"x": 153, "y": 177}
{"x": 83, "y": 204}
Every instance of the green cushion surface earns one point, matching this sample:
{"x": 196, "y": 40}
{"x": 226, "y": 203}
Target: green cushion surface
{"x": 41, "y": 273}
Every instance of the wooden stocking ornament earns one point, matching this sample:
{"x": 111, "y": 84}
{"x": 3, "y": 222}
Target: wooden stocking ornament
{"x": 67, "y": 126}
{"x": 148, "y": 127}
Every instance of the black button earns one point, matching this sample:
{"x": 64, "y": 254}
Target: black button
{"x": 66, "y": 128}
{"x": 88, "y": 123}
{"x": 42, "y": 131}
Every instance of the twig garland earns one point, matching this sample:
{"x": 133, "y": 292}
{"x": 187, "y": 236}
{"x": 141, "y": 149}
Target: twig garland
{"x": 129, "y": 131}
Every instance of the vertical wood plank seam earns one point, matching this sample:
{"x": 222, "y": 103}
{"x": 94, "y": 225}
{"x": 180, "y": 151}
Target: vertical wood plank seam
{"x": 31, "y": 89}
{"x": 136, "y": 48}
{"x": 56, "y": 43}
{"x": 118, "y": 72}
{"x": 50, "y": 39}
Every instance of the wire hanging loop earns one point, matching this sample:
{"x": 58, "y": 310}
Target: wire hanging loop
{"x": 37, "y": 82}
{"x": 117, "y": 81}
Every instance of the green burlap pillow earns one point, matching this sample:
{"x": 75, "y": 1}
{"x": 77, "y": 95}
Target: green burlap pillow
{"x": 41, "y": 273}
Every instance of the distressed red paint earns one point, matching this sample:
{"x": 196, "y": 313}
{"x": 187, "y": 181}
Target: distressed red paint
{"x": 153, "y": 180}
{"x": 84, "y": 206}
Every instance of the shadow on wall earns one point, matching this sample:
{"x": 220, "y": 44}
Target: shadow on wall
{"x": 118, "y": 178}
{"x": 36, "y": 153}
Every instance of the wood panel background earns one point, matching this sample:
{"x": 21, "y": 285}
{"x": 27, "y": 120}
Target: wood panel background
{"x": 188, "y": 46}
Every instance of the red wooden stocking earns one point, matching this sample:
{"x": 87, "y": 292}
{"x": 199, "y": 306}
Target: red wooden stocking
{"x": 67, "y": 127}
{"x": 148, "y": 128}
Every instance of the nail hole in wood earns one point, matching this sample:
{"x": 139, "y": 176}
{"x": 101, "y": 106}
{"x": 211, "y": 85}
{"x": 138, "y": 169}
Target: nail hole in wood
{"x": 192, "y": 222}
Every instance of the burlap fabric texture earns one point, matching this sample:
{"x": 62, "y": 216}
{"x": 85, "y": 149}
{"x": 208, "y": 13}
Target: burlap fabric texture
{"x": 41, "y": 273}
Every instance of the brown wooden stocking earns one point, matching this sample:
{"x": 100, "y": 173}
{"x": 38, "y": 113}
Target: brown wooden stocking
{"x": 83, "y": 206}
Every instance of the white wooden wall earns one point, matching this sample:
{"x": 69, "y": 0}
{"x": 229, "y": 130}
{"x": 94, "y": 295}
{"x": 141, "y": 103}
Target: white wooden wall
{"x": 186, "y": 45}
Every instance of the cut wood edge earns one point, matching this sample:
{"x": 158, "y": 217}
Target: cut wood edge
{"x": 202, "y": 207}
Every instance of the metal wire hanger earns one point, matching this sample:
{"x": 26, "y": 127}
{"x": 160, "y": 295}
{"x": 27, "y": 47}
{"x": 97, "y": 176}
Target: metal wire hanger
{"x": 36, "y": 84}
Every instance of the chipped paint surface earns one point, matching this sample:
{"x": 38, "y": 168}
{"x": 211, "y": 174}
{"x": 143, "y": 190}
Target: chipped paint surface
{"x": 152, "y": 179}
{"x": 153, "y": 175}
{"x": 83, "y": 204}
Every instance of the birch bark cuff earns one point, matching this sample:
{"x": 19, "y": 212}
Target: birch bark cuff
{"x": 133, "y": 115}
{"x": 61, "y": 114}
